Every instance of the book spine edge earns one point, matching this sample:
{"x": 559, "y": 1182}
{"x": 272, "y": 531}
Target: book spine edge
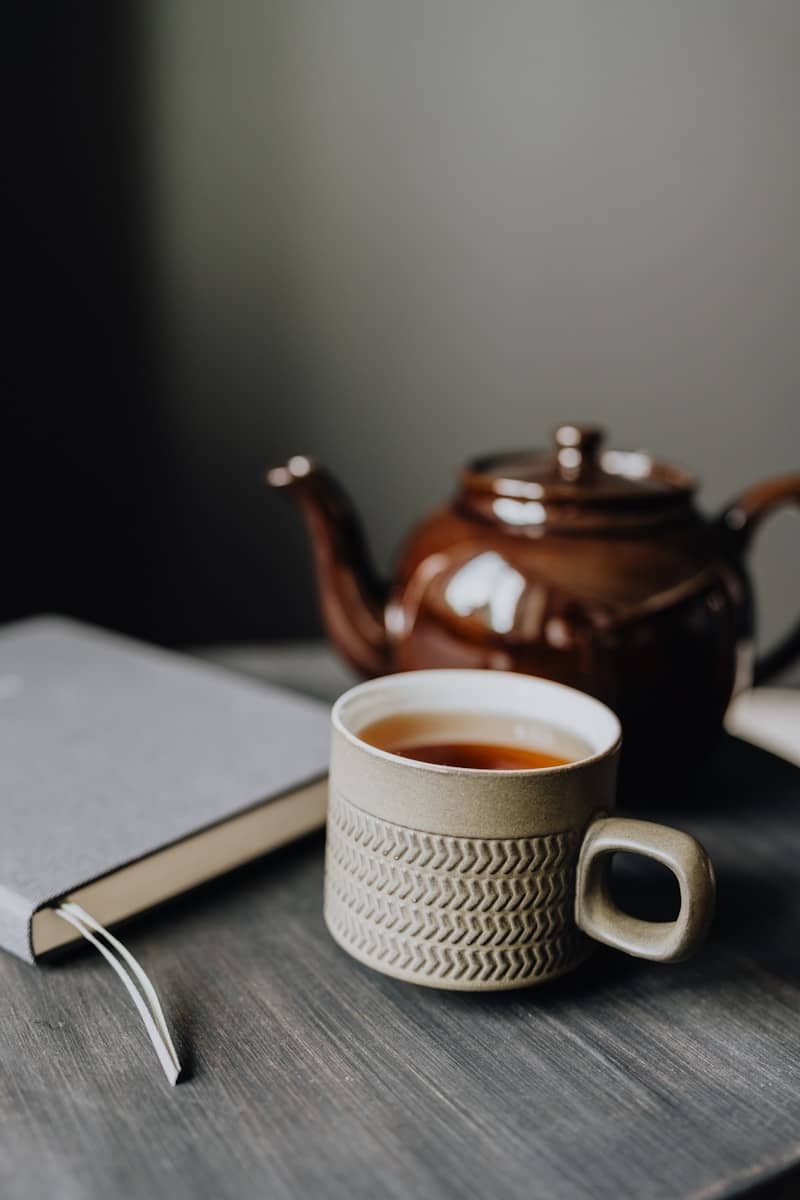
{"x": 15, "y": 924}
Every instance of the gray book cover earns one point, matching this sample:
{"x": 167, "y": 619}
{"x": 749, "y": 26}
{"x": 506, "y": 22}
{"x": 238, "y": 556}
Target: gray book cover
{"x": 111, "y": 749}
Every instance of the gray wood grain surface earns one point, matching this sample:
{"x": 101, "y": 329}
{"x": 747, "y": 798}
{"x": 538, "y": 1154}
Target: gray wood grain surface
{"x": 311, "y": 1076}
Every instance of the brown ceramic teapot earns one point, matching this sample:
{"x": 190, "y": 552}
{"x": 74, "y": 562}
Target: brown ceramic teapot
{"x": 589, "y": 566}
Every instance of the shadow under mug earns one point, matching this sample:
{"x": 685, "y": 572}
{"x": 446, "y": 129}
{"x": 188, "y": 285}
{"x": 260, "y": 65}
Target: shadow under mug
{"x": 481, "y": 880}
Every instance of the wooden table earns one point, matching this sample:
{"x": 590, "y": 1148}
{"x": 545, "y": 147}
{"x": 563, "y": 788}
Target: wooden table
{"x": 311, "y": 1076}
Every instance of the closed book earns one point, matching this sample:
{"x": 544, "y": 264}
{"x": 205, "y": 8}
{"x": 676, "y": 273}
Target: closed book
{"x": 129, "y": 774}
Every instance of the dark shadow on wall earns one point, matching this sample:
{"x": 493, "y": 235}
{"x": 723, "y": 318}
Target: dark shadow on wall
{"x": 103, "y": 517}
{"x": 82, "y": 462}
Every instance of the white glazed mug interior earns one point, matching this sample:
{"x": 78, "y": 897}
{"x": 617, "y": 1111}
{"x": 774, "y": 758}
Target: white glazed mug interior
{"x": 555, "y": 716}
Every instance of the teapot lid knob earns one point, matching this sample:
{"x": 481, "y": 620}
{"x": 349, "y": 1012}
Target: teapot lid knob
{"x": 577, "y": 449}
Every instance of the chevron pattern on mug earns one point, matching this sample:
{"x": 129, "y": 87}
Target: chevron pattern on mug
{"x": 451, "y": 911}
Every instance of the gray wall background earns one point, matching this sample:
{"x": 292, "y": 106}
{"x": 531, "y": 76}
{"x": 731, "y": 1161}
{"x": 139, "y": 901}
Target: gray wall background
{"x": 395, "y": 235}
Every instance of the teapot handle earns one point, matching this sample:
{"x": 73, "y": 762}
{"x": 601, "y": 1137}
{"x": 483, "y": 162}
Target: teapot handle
{"x": 742, "y": 518}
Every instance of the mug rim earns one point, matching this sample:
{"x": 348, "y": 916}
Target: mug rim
{"x": 398, "y": 678}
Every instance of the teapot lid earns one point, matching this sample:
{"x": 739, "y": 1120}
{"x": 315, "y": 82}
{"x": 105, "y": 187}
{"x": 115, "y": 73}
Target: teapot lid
{"x": 578, "y": 471}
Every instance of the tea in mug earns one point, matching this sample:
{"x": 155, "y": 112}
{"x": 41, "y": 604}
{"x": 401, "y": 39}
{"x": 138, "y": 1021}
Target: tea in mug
{"x": 482, "y": 741}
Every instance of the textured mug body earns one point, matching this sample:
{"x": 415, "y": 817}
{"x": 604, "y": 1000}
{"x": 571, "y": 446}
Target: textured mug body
{"x": 461, "y": 878}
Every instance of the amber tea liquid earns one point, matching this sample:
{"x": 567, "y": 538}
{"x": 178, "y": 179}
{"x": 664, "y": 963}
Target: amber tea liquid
{"x": 482, "y": 741}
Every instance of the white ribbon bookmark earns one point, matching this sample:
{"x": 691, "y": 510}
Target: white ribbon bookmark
{"x": 146, "y": 1000}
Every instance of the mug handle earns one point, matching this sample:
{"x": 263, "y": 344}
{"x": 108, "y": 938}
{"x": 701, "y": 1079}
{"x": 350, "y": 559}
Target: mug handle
{"x": 598, "y": 916}
{"x": 742, "y": 518}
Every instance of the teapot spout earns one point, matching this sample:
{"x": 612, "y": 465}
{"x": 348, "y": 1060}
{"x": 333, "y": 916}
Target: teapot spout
{"x": 352, "y": 597}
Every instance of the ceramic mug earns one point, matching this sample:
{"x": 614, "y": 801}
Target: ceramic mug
{"x": 482, "y": 880}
